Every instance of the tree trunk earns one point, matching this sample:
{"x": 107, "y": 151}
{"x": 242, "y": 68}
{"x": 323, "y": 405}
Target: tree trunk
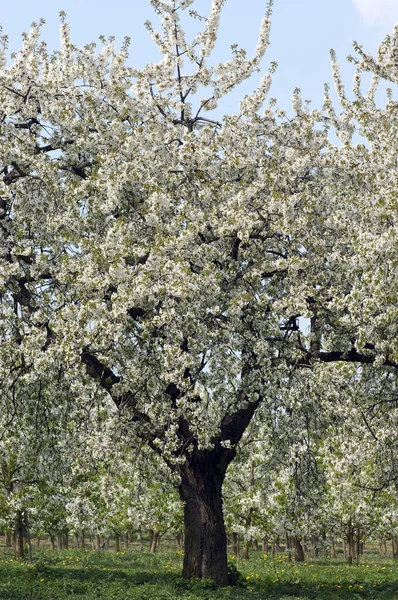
{"x": 66, "y": 540}
{"x": 298, "y": 550}
{"x": 205, "y": 545}
{"x": 245, "y": 549}
{"x": 154, "y": 542}
{"x": 350, "y": 543}
{"x": 235, "y": 543}
{"x": 126, "y": 539}
{"x": 97, "y": 542}
{"x": 151, "y": 537}
{"x": 19, "y": 536}
{"x": 27, "y": 536}
{"x": 81, "y": 541}
{"x": 265, "y": 545}
{"x": 117, "y": 542}
{"x": 179, "y": 540}
{"x": 394, "y": 542}
{"x": 52, "y": 542}
{"x": 60, "y": 541}
{"x": 8, "y": 539}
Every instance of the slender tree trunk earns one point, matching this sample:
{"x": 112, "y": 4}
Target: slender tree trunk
{"x": 81, "y": 541}
{"x": 235, "y": 543}
{"x": 19, "y": 536}
{"x": 52, "y": 542}
{"x": 205, "y": 545}
{"x": 141, "y": 539}
{"x": 97, "y": 542}
{"x": 154, "y": 542}
{"x": 151, "y": 538}
{"x": 8, "y": 539}
{"x": 117, "y": 542}
{"x": 333, "y": 549}
{"x": 350, "y": 543}
{"x": 179, "y": 540}
{"x": 66, "y": 540}
{"x": 395, "y": 547}
{"x": 27, "y": 536}
{"x": 126, "y": 538}
{"x": 60, "y": 541}
{"x": 358, "y": 545}
{"x": 265, "y": 545}
{"x": 255, "y": 545}
{"x": 245, "y": 549}
{"x": 77, "y": 541}
{"x": 298, "y": 550}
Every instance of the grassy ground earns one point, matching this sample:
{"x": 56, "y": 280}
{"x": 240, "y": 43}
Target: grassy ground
{"x": 87, "y": 575}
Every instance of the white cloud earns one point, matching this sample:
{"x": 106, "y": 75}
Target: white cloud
{"x": 378, "y": 11}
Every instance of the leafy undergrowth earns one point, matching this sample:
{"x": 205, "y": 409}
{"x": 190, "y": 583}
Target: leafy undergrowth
{"x": 86, "y": 575}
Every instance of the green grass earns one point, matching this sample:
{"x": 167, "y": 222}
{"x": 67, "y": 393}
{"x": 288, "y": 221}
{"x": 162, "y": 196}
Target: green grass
{"x": 87, "y": 575}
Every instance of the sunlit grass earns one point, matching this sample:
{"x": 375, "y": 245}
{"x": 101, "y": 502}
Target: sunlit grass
{"x": 130, "y": 575}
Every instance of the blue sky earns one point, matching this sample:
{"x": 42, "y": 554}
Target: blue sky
{"x": 303, "y": 32}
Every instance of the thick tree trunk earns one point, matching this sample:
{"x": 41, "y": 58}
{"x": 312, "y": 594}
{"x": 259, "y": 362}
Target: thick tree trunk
{"x": 205, "y": 545}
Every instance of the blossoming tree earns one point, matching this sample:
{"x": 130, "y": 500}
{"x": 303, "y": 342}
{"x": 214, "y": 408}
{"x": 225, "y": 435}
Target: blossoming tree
{"x": 160, "y": 258}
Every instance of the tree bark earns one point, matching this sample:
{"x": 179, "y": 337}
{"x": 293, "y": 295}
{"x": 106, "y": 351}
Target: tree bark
{"x": 245, "y": 550}
{"x": 205, "y": 545}
{"x": 60, "y": 541}
{"x": 154, "y": 542}
{"x": 298, "y": 550}
{"x": 350, "y": 543}
{"x": 27, "y": 536}
{"x": 8, "y": 539}
{"x": 265, "y": 545}
{"x": 19, "y": 536}
{"x": 235, "y": 543}
{"x": 117, "y": 542}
